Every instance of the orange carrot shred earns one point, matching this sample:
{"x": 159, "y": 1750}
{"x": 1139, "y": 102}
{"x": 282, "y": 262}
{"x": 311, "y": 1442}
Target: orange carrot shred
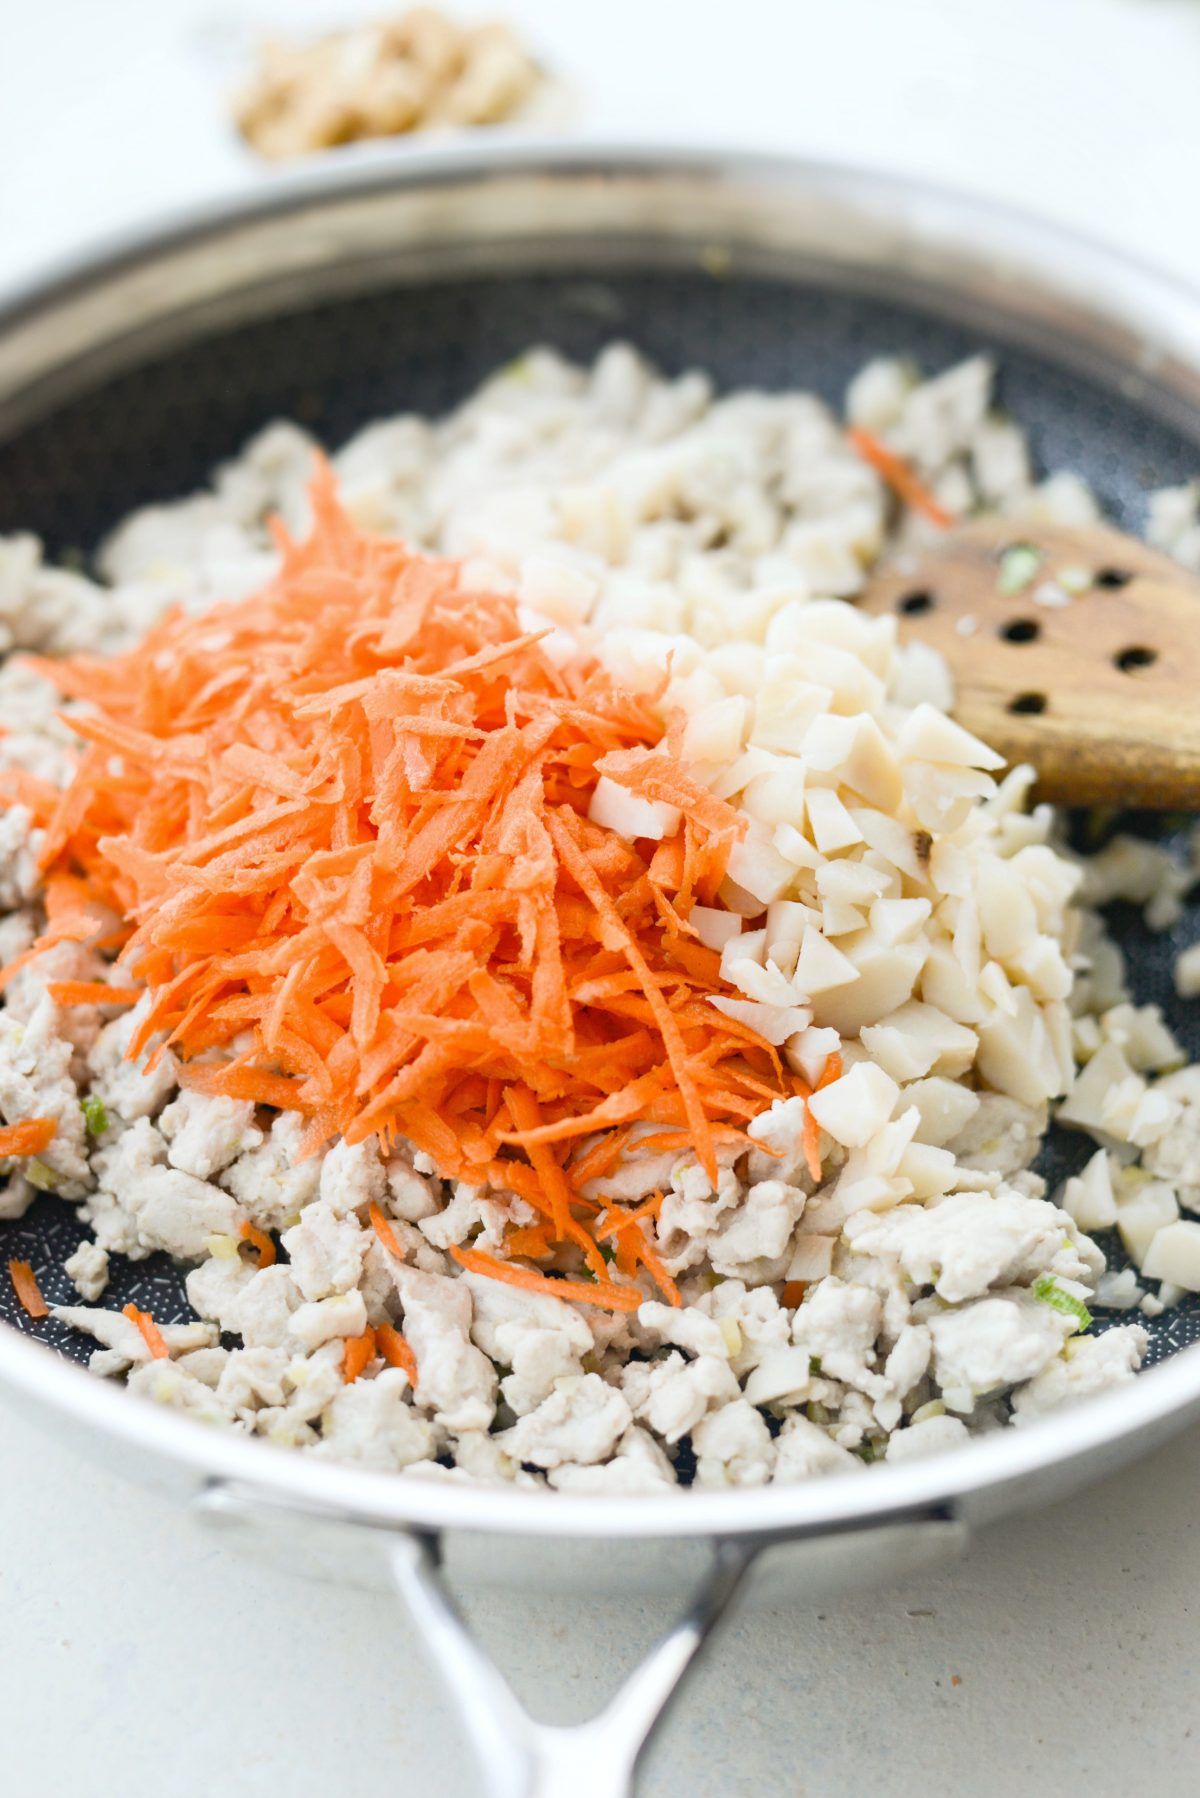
{"x": 396, "y": 1351}
{"x": 29, "y": 1293}
{"x": 151, "y": 1334}
{"x": 812, "y": 1144}
{"x": 259, "y": 1241}
{"x": 357, "y": 1353}
{"x": 899, "y": 476}
{"x": 652, "y": 1262}
{"x": 528, "y": 1241}
{"x": 633, "y": 1246}
{"x": 27, "y": 1137}
{"x": 603, "y": 1294}
{"x": 383, "y": 1229}
{"x": 345, "y": 822}
{"x": 812, "y": 1130}
{"x": 92, "y": 992}
{"x": 526, "y": 1115}
{"x": 793, "y": 1292}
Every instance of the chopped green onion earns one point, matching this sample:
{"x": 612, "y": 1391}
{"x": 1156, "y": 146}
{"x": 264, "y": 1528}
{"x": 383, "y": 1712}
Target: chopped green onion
{"x": 934, "y": 1408}
{"x": 1018, "y": 565}
{"x": 814, "y": 1364}
{"x": 39, "y": 1175}
{"x": 1051, "y": 1293}
{"x": 94, "y": 1114}
{"x": 1076, "y": 580}
{"x": 222, "y": 1247}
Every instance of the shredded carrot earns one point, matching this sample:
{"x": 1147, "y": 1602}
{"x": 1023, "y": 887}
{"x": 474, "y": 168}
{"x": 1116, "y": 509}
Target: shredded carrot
{"x": 396, "y": 1351}
{"x": 607, "y": 1296}
{"x": 601, "y": 1158}
{"x": 526, "y": 1115}
{"x": 151, "y": 1334}
{"x": 92, "y": 992}
{"x": 357, "y": 1353}
{"x": 793, "y": 1292}
{"x": 383, "y": 1229}
{"x": 345, "y": 822}
{"x": 812, "y": 1143}
{"x": 529, "y": 1241}
{"x": 899, "y": 476}
{"x": 652, "y": 1262}
{"x": 259, "y": 1241}
{"x": 28, "y": 1137}
{"x": 29, "y": 1293}
{"x": 633, "y": 1246}
{"x": 812, "y": 1130}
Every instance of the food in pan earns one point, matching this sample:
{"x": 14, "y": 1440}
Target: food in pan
{"x": 552, "y": 967}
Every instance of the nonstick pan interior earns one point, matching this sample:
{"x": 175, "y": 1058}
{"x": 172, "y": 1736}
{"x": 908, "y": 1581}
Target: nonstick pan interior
{"x": 156, "y": 432}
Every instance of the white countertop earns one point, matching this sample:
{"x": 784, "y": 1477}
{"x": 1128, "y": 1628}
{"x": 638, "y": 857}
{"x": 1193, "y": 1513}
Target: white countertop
{"x": 1083, "y": 110}
{"x": 139, "y": 1653}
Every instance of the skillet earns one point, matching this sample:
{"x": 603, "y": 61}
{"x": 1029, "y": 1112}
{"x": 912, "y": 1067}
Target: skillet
{"x": 378, "y": 282}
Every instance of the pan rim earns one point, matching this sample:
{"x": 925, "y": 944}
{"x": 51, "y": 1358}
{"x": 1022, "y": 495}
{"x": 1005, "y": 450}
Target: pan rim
{"x": 1164, "y": 318}
{"x": 362, "y": 171}
{"x": 1156, "y": 312}
{"x": 1164, "y": 1395}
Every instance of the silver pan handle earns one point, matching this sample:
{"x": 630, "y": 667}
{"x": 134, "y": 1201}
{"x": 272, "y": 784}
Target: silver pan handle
{"x": 521, "y": 1758}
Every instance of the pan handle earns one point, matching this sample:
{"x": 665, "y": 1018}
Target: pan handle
{"x": 521, "y": 1758}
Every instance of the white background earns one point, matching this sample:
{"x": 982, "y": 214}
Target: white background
{"x": 1083, "y": 109}
{"x": 138, "y": 1654}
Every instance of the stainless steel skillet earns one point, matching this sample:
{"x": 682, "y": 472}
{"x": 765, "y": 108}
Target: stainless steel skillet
{"x": 382, "y": 282}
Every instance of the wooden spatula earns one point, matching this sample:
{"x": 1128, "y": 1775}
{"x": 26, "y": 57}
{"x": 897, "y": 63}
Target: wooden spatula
{"x": 1076, "y": 649}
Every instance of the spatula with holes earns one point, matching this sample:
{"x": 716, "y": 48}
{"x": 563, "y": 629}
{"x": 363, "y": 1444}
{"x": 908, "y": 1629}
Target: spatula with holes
{"x": 1075, "y": 649}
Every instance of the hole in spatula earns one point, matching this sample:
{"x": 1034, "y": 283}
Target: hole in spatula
{"x": 1028, "y": 704}
{"x": 1113, "y": 577}
{"x": 1021, "y": 630}
{"x": 915, "y": 603}
{"x": 1129, "y": 661}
